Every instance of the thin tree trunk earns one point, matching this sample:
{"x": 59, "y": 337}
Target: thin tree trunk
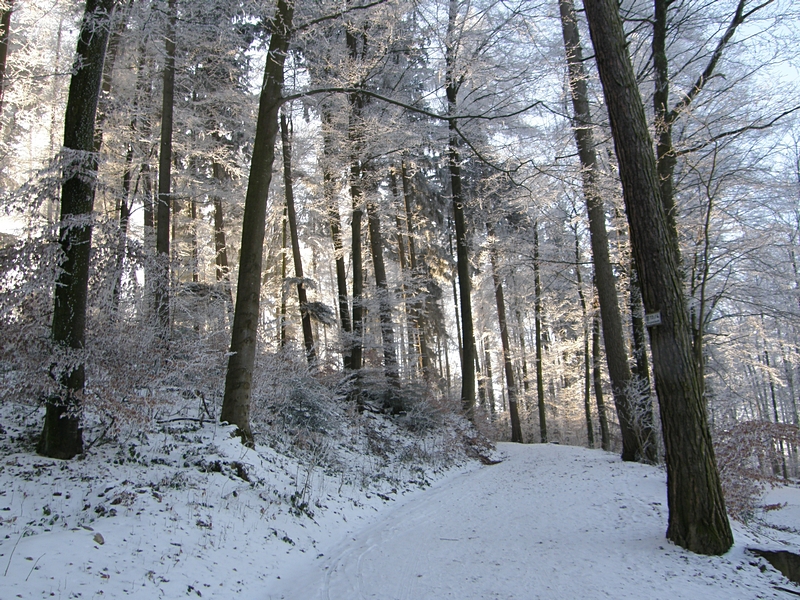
{"x": 355, "y": 138}
{"x": 418, "y": 307}
{"x": 697, "y": 518}
{"x": 239, "y": 377}
{"x": 587, "y": 377}
{"x": 62, "y": 434}
{"x": 538, "y": 326}
{"x": 5, "y": 23}
{"x": 221, "y": 268}
{"x": 291, "y": 216}
{"x": 384, "y": 301}
{"x": 597, "y": 378}
{"x": 124, "y": 218}
{"x": 635, "y": 418}
{"x": 462, "y": 245}
{"x": 335, "y": 222}
{"x": 511, "y": 386}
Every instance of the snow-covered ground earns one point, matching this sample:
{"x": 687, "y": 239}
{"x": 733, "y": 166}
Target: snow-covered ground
{"x": 193, "y": 514}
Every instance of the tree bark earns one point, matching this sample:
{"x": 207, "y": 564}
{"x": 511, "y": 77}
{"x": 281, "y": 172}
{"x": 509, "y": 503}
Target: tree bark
{"x": 417, "y": 275}
{"x": 636, "y": 421}
{"x": 587, "y": 376}
{"x": 62, "y": 435}
{"x": 697, "y": 518}
{"x": 597, "y": 379}
{"x": 161, "y": 291}
{"x": 384, "y": 303}
{"x": 239, "y": 377}
{"x": 5, "y": 23}
{"x": 511, "y": 386}
{"x": 537, "y": 310}
{"x": 468, "y": 355}
{"x": 335, "y": 222}
{"x": 355, "y": 138}
{"x": 291, "y": 215}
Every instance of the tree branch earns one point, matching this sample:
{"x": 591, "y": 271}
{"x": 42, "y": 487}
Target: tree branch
{"x": 739, "y": 17}
{"x": 336, "y": 15}
{"x": 732, "y": 132}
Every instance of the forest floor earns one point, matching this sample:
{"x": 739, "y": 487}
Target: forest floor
{"x": 189, "y": 512}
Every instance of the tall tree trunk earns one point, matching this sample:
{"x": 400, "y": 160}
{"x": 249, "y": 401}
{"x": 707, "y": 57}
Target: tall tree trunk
{"x": 468, "y": 355}
{"x": 409, "y": 354}
{"x": 291, "y": 215}
{"x": 384, "y": 301}
{"x": 335, "y": 222}
{"x": 587, "y": 377}
{"x": 537, "y": 310}
{"x": 221, "y": 268}
{"x": 355, "y": 135}
{"x": 417, "y": 273}
{"x": 124, "y": 218}
{"x": 195, "y": 255}
{"x": 161, "y": 291}
{"x": 62, "y": 434}
{"x": 239, "y": 377}
{"x": 5, "y": 23}
{"x": 635, "y": 418}
{"x": 641, "y": 366}
{"x": 511, "y": 386}
{"x": 697, "y": 518}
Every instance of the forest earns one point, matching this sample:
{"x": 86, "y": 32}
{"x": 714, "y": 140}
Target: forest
{"x": 532, "y": 221}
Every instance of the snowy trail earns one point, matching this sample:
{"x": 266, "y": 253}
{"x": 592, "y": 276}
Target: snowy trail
{"x": 549, "y": 522}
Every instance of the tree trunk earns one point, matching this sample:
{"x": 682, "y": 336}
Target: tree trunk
{"x": 417, "y": 274}
{"x": 468, "y": 356}
{"x": 355, "y": 138}
{"x": 597, "y": 378}
{"x": 291, "y": 215}
{"x": 161, "y": 291}
{"x": 221, "y": 268}
{"x": 636, "y": 421}
{"x": 5, "y": 23}
{"x": 335, "y": 221}
{"x": 511, "y": 386}
{"x": 587, "y": 377}
{"x": 239, "y": 377}
{"x": 697, "y": 518}
{"x": 537, "y": 310}
{"x": 62, "y": 434}
{"x": 384, "y": 301}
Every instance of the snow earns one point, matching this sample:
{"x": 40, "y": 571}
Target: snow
{"x": 194, "y": 514}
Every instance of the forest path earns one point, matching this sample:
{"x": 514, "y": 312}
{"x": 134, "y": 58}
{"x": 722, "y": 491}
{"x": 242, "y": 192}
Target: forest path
{"x": 549, "y": 522}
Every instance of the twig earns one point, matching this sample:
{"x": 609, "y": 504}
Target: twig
{"x": 34, "y": 566}
{"x": 176, "y": 419}
{"x": 102, "y": 434}
{"x": 783, "y": 589}
{"x": 12, "y": 553}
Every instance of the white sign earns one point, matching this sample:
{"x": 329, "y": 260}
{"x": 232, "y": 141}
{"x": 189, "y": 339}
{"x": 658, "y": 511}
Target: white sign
{"x": 652, "y": 319}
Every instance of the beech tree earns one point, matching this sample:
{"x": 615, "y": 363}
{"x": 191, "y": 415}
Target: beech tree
{"x": 697, "y": 518}
{"x": 62, "y": 433}
{"x": 239, "y": 377}
{"x": 635, "y": 415}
